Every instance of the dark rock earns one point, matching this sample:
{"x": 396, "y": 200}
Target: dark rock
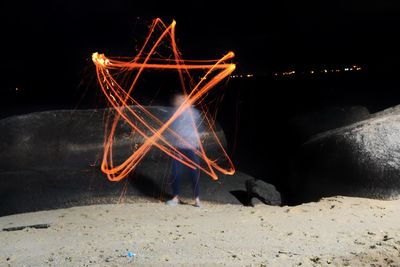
{"x": 308, "y": 124}
{"x": 362, "y": 159}
{"x": 18, "y": 228}
{"x": 265, "y": 192}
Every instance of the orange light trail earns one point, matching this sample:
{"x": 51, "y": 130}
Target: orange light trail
{"x": 121, "y": 99}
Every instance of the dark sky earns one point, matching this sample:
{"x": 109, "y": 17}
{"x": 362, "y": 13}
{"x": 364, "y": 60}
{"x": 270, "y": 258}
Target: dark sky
{"x": 49, "y": 43}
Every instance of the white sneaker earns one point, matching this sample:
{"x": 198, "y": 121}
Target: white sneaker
{"x": 172, "y": 202}
{"x": 197, "y": 204}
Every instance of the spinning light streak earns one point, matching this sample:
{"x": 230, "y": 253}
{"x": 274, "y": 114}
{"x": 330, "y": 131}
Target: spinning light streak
{"x": 119, "y": 93}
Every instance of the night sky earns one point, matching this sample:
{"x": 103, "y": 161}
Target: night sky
{"x": 47, "y": 45}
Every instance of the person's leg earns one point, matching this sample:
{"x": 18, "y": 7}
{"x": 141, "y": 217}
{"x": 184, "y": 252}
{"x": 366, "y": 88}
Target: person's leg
{"x": 175, "y": 174}
{"x": 195, "y": 175}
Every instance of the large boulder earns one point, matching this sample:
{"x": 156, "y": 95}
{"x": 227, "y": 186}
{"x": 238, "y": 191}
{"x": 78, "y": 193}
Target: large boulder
{"x": 362, "y": 159}
{"x": 72, "y": 139}
{"x": 51, "y": 159}
{"x": 311, "y": 123}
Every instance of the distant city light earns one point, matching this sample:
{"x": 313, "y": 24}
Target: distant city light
{"x": 288, "y": 73}
{"x": 249, "y": 75}
{"x": 321, "y": 71}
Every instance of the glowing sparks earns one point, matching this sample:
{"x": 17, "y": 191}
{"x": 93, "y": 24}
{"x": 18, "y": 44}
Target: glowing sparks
{"x": 119, "y": 95}
{"x": 100, "y": 59}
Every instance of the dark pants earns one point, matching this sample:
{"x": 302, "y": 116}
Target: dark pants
{"x": 179, "y": 169}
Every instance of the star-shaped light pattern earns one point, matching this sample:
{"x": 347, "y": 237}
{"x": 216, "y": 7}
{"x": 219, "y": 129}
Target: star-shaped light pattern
{"x": 113, "y": 73}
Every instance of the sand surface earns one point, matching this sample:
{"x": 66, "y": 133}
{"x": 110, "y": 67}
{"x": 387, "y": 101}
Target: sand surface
{"x": 338, "y": 231}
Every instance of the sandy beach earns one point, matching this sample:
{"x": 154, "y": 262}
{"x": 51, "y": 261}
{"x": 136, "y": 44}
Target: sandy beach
{"x": 337, "y": 231}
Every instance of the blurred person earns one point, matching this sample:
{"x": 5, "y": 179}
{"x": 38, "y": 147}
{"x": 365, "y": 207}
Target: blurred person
{"x": 185, "y": 126}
